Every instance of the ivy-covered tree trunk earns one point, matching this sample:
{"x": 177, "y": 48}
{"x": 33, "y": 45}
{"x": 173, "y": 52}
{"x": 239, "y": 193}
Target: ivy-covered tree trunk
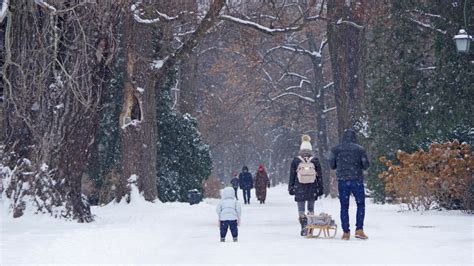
{"x": 345, "y": 37}
{"x": 56, "y": 65}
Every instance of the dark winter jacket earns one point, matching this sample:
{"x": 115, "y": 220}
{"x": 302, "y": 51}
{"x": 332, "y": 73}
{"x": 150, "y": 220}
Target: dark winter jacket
{"x": 235, "y": 182}
{"x": 348, "y": 158}
{"x": 304, "y": 192}
{"x": 261, "y": 183}
{"x": 245, "y": 178}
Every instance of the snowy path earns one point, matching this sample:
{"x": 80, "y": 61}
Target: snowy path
{"x": 180, "y": 233}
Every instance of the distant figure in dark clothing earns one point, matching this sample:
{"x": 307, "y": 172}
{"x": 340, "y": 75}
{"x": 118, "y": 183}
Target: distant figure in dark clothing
{"x": 306, "y": 182}
{"x": 235, "y": 183}
{"x": 261, "y": 183}
{"x": 246, "y": 183}
{"x": 350, "y": 159}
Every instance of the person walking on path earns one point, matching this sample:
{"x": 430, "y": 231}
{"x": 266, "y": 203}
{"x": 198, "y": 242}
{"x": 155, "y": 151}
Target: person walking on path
{"x": 246, "y": 183}
{"x": 306, "y": 182}
{"x": 229, "y": 211}
{"x": 235, "y": 183}
{"x": 261, "y": 183}
{"x": 350, "y": 159}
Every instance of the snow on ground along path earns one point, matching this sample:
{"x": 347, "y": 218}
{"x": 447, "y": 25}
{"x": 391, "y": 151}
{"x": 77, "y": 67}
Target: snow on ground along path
{"x": 179, "y": 233}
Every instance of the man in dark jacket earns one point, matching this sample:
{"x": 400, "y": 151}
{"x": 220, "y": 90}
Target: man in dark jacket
{"x": 350, "y": 159}
{"x": 246, "y": 183}
{"x": 305, "y": 193}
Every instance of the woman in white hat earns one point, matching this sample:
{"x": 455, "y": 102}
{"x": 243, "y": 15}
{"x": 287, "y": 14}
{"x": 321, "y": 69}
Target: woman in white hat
{"x": 306, "y": 182}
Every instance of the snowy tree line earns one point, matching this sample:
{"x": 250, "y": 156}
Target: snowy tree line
{"x": 98, "y": 91}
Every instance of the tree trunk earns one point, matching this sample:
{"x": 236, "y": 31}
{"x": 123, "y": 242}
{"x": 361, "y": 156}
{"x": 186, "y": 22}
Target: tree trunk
{"x": 188, "y": 91}
{"x": 319, "y": 107}
{"x": 138, "y": 117}
{"x": 55, "y": 70}
{"x": 345, "y": 47}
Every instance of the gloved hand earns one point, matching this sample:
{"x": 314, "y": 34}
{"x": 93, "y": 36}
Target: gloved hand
{"x": 238, "y": 222}
{"x": 291, "y": 191}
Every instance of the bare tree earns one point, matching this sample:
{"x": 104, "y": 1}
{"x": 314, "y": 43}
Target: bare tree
{"x": 293, "y": 66}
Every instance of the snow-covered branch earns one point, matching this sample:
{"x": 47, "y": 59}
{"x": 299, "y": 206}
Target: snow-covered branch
{"x": 298, "y": 86}
{"x": 427, "y": 68}
{"x": 268, "y": 75}
{"x": 3, "y": 10}
{"x": 296, "y": 49}
{"x": 136, "y": 15}
{"x": 318, "y": 17}
{"x": 328, "y": 85}
{"x": 427, "y": 26}
{"x": 425, "y": 14}
{"x": 294, "y": 94}
{"x": 181, "y": 34}
{"x": 259, "y": 27}
{"x": 350, "y": 23}
{"x": 323, "y": 44}
{"x": 166, "y": 17}
{"x": 329, "y": 110}
{"x": 45, "y": 5}
{"x": 292, "y": 74}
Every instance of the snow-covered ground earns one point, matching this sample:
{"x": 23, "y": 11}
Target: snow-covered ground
{"x": 179, "y": 233}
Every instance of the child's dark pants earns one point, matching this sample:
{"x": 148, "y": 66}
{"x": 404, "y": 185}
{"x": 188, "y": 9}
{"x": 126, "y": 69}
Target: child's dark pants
{"x": 233, "y": 228}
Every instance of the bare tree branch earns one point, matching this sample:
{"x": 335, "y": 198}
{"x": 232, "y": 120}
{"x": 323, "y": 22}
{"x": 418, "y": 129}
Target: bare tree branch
{"x": 260, "y": 27}
{"x": 427, "y": 26}
{"x": 350, "y": 23}
{"x": 46, "y": 5}
{"x": 294, "y": 94}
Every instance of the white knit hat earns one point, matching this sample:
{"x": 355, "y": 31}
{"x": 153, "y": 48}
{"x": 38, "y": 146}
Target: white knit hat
{"x": 306, "y": 143}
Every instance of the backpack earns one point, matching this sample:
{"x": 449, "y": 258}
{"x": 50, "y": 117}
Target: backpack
{"x": 306, "y": 171}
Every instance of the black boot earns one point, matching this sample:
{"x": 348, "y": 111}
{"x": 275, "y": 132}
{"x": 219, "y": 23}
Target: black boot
{"x": 304, "y": 223}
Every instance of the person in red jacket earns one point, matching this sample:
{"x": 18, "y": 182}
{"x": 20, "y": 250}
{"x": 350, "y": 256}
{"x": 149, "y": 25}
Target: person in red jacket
{"x": 261, "y": 183}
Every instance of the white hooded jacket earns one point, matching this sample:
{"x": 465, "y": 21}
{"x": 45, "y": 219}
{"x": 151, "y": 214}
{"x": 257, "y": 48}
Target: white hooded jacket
{"x": 229, "y": 208}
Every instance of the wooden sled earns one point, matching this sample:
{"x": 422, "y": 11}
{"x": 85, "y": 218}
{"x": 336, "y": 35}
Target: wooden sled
{"x": 325, "y": 229}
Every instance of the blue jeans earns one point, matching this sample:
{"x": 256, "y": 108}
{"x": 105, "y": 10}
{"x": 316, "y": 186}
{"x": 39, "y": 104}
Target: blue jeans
{"x": 356, "y": 188}
{"x": 233, "y": 228}
{"x": 246, "y": 193}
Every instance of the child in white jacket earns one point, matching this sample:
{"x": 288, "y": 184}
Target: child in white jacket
{"x": 229, "y": 211}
